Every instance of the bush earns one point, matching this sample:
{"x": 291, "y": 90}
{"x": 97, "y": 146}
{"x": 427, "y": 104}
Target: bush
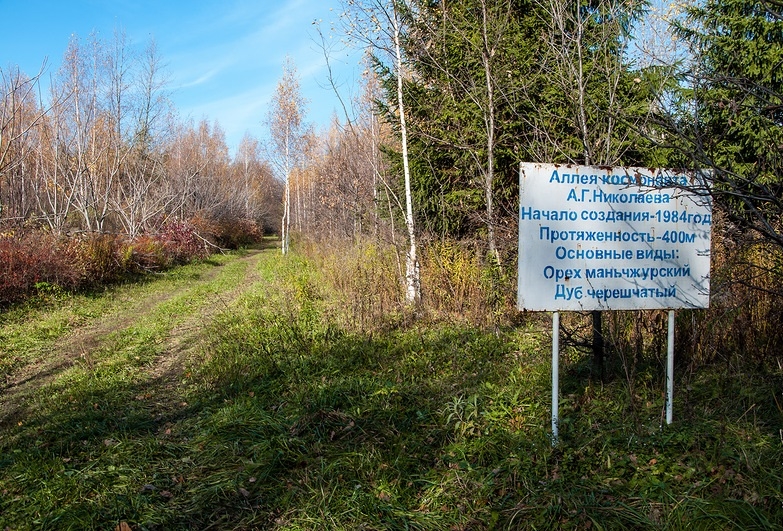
{"x": 98, "y": 255}
{"x": 33, "y": 259}
{"x": 180, "y": 242}
{"x": 228, "y": 232}
{"x": 147, "y": 253}
{"x": 30, "y": 259}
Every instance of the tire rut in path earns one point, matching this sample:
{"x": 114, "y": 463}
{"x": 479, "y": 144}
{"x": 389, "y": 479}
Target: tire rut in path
{"x": 77, "y": 345}
{"x": 186, "y": 337}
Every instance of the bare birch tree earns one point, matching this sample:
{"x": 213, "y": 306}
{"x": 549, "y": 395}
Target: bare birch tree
{"x": 88, "y": 160}
{"x": 19, "y": 117}
{"x": 287, "y": 133}
{"x": 377, "y": 24}
{"x": 140, "y": 195}
{"x": 586, "y": 62}
{"x": 259, "y": 190}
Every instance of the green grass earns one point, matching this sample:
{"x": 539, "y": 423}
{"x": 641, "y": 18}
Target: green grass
{"x": 30, "y": 330}
{"x": 283, "y": 419}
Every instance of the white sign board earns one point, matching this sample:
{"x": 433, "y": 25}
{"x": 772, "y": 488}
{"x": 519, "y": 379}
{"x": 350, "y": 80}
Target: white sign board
{"x": 603, "y": 238}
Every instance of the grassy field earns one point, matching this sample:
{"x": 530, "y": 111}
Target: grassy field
{"x": 230, "y": 394}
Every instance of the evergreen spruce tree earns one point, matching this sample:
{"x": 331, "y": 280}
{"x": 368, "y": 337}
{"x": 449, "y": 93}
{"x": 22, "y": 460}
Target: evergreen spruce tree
{"x": 732, "y": 122}
{"x": 473, "y": 64}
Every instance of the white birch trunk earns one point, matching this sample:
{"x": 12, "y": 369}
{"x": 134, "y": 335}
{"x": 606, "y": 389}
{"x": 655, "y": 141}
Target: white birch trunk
{"x": 285, "y": 227}
{"x": 412, "y": 276}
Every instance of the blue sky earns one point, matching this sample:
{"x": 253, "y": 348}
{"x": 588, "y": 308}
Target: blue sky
{"x": 223, "y": 58}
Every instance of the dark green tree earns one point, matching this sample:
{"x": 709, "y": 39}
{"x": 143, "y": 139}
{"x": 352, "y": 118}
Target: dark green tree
{"x": 730, "y": 117}
{"x": 471, "y": 60}
{"x": 495, "y": 82}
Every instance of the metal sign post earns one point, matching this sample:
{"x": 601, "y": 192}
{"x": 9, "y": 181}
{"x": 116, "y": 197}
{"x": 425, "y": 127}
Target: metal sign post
{"x": 555, "y": 374}
{"x": 670, "y": 370}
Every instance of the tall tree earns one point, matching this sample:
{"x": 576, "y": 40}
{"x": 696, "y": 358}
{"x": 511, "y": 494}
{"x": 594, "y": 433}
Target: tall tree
{"x": 467, "y": 72}
{"x": 412, "y": 275}
{"x": 20, "y": 115}
{"x": 247, "y": 161}
{"x": 731, "y": 117}
{"x": 89, "y": 90}
{"x": 139, "y": 197}
{"x": 380, "y": 26}
{"x": 287, "y": 133}
{"x": 55, "y": 194}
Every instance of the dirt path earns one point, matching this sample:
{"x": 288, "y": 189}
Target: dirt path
{"x": 185, "y": 337}
{"x": 79, "y": 345}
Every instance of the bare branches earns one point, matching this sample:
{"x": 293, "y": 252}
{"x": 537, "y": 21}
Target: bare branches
{"x": 288, "y": 137}
{"x": 107, "y": 147}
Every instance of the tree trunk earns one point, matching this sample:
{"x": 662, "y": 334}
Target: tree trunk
{"x": 412, "y": 277}
{"x": 489, "y": 177}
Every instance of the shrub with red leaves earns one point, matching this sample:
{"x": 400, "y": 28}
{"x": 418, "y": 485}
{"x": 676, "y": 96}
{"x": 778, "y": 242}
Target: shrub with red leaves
{"x": 33, "y": 258}
{"x": 37, "y": 259}
{"x": 180, "y": 242}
